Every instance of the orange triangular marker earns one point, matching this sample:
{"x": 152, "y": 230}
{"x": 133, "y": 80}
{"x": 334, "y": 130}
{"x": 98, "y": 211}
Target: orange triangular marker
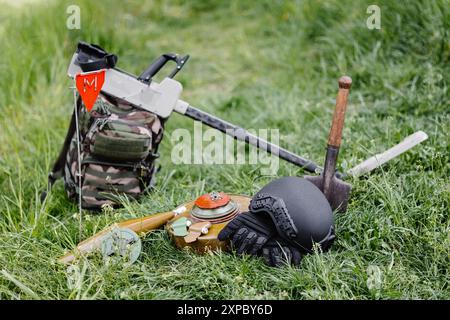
{"x": 89, "y": 85}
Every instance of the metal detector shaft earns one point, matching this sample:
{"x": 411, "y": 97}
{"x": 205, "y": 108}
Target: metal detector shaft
{"x": 241, "y": 134}
{"x": 163, "y": 98}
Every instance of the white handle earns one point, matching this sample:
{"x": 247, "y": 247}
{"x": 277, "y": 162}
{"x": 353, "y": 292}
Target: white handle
{"x": 378, "y": 159}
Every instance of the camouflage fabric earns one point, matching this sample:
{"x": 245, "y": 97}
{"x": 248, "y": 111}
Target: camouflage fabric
{"x": 118, "y": 152}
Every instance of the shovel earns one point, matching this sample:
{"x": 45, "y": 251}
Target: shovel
{"x": 335, "y": 190}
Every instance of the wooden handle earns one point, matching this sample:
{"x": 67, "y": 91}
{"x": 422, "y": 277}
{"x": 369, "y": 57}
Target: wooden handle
{"x": 149, "y": 223}
{"x": 138, "y": 225}
{"x": 334, "y": 139}
{"x": 381, "y": 158}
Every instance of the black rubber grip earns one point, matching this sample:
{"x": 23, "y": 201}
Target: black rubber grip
{"x": 156, "y": 65}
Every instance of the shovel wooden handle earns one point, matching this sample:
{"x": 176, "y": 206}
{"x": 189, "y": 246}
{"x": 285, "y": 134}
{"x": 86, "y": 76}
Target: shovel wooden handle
{"x": 334, "y": 139}
{"x": 149, "y": 223}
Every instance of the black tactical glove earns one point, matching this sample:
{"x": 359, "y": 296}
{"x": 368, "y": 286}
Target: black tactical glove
{"x": 248, "y": 232}
{"x": 277, "y": 252}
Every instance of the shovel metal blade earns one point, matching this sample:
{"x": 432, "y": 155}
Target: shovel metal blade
{"x": 339, "y": 192}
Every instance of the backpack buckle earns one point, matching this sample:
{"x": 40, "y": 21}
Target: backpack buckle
{"x": 141, "y": 169}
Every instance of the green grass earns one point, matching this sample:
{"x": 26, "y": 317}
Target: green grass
{"x": 265, "y": 64}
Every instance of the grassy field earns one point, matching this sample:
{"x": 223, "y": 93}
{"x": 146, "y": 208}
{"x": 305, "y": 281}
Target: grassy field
{"x": 264, "y": 64}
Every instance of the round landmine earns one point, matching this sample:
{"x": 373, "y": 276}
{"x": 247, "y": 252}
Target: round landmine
{"x": 199, "y": 225}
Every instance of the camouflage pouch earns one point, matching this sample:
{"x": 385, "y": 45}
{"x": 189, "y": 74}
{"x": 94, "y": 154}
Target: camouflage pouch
{"x": 118, "y": 151}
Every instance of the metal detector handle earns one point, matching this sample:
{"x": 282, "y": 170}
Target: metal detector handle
{"x": 156, "y": 66}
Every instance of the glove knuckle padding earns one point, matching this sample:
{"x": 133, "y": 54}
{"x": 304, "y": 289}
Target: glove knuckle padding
{"x": 229, "y": 229}
{"x": 248, "y": 232}
{"x": 277, "y": 252}
{"x": 259, "y": 243}
{"x": 276, "y": 257}
{"x": 247, "y": 242}
{"x": 266, "y": 255}
{"x": 261, "y": 223}
{"x": 299, "y": 210}
{"x": 238, "y": 237}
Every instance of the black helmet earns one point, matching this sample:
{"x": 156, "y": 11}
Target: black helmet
{"x": 299, "y": 210}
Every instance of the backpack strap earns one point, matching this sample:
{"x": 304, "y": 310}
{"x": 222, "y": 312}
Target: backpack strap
{"x": 58, "y": 167}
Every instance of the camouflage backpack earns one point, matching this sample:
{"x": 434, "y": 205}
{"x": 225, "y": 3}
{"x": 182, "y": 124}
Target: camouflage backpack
{"x": 118, "y": 151}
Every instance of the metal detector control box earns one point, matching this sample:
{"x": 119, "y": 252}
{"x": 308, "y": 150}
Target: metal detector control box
{"x": 159, "y": 98}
